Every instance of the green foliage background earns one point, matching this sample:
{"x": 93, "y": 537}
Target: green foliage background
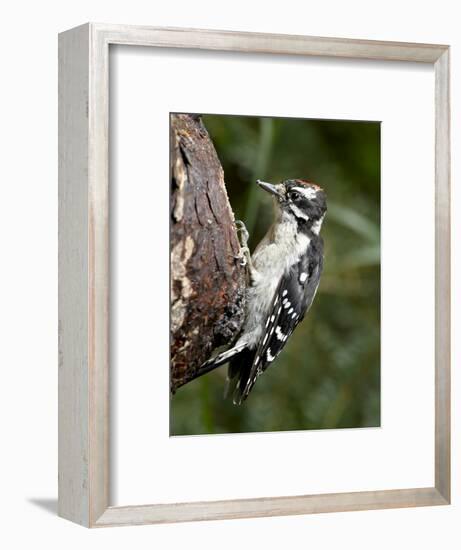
{"x": 328, "y": 375}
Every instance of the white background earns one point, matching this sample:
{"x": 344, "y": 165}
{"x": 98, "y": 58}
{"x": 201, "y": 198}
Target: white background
{"x": 28, "y": 302}
{"x": 151, "y": 469}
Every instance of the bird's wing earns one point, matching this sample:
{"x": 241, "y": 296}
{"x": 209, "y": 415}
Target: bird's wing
{"x": 292, "y": 299}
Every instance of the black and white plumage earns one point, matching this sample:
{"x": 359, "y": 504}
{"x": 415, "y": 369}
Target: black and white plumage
{"x": 284, "y": 272}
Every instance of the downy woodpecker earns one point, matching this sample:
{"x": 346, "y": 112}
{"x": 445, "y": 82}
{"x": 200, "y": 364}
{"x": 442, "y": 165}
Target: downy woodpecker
{"x": 284, "y": 274}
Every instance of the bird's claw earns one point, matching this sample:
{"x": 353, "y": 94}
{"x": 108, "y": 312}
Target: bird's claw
{"x": 242, "y": 256}
{"x": 243, "y": 231}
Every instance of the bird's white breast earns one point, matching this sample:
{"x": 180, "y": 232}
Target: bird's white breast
{"x": 276, "y": 253}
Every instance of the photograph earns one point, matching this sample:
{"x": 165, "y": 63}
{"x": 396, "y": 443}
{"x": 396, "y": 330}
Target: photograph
{"x": 275, "y": 274}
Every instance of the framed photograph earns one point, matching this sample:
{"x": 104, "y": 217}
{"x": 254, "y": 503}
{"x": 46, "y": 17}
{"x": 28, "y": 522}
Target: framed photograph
{"x": 254, "y": 275}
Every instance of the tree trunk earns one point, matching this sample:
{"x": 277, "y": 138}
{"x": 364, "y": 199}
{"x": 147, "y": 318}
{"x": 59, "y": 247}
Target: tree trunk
{"x": 207, "y": 281}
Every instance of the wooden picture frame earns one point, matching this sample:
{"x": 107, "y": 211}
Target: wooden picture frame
{"x": 84, "y": 484}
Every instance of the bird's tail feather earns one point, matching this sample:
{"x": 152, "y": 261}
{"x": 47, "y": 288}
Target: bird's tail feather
{"x": 238, "y": 374}
{"x": 219, "y": 360}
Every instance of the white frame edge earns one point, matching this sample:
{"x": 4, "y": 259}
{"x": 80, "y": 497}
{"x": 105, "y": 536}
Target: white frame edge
{"x": 84, "y": 485}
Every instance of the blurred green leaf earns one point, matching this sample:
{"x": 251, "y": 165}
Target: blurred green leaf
{"x": 353, "y": 220}
{"x": 363, "y": 257}
{"x": 266, "y": 132}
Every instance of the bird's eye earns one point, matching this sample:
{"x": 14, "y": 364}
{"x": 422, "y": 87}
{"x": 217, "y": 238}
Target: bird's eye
{"x": 294, "y": 195}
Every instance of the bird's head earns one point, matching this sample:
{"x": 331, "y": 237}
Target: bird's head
{"x": 299, "y": 199}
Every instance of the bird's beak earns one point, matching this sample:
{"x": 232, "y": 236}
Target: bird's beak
{"x": 270, "y": 188}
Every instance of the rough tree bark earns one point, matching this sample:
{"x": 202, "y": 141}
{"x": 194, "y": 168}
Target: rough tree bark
{"x": 207, "y": 281}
